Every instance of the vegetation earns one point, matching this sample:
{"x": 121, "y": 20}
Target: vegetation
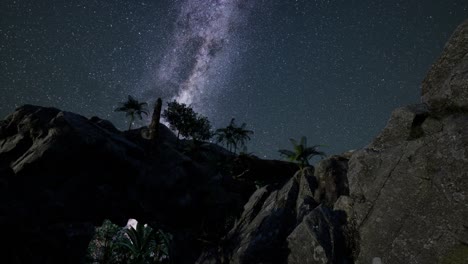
{"x": 200, "y": 129}
{"x": 141, "y": 245}
{"x": 301, "y": 154}
{"x": 133, "y": 108}
{"x": 187, "y": 122}
{"x": 104, "y": 247}
{"x": 233, "y": 136}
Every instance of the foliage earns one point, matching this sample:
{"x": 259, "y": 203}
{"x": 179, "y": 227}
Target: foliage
{"x": 233, "y": 136}
{"x": 104, "y": 247}
{"x": 200, "y": 129}
{"x": 187, "y": 122}
{"x": 301, "y": 154}
{"x": 140, "y": 245}
{"x": 179, "y": 117}
{"x": 133, "y": 108}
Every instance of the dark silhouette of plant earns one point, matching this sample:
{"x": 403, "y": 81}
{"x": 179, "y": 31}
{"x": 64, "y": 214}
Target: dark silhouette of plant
{"x": 138, "y": 242}
{"x": 133, "y": 108}
{"x": 200, "y": 129}
{"x": 180, "y": 117}
{"x": 105, "y": 246}
{"x": 113, "y": 244}
{"x": 233, "y": 136}
{"x": 162, "y": 248}
{"x": 301, "y": 154}
{"x": 186, "y": 122}
{"x": 146, "y": 245}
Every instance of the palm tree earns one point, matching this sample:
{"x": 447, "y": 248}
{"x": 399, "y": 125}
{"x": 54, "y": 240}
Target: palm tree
{"x": 301, "y": 154}
{"x": 133, "y": 108}
{"x": 241, "y": 135}
{"x": 233, "y": 136}
{"x": 225, "y": 135}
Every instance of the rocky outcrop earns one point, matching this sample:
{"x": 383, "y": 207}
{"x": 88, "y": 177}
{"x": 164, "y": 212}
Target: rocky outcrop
{"x": 332, "y": 180}
{"x": 445, "y": 88}
{"x": 292, "y": 222}
{"x": 61, "y": 174}
{"x": 410, "y": 184}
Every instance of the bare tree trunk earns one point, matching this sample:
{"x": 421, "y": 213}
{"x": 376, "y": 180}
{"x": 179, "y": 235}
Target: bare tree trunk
{"x": 132, "y": 118}
{"x": 154, "y": 126}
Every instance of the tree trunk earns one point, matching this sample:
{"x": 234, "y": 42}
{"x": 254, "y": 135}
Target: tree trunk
{"x": 132, "y": 118}
{"x": 154, "y": 126}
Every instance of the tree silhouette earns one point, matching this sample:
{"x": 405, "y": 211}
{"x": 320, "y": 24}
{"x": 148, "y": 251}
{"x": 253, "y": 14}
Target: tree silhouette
{"x": 133, "y": 108}
{"x": 180, "y": 117}
{"x": 186, "y": 122}
{"x": 200, "y": 129}
{"x": 233, "y": 136}
{"x": 301, "y": 154}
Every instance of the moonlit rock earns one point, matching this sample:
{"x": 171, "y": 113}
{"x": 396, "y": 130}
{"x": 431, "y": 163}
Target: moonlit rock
{"x": 377, "y": 261}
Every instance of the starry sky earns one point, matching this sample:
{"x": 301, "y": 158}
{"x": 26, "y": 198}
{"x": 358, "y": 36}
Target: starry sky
{"x": 329, "y": 70}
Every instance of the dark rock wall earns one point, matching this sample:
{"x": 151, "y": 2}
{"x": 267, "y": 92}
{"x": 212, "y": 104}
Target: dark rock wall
{"x": 294, "y": 222}
{"x": 410, "y": 185}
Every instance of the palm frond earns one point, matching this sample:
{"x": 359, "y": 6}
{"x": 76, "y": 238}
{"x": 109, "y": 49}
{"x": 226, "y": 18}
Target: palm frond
{"x": 303, "y": 141}
{"x": 301, "y": 153}
{"x": 293, "y": 142}
{"x": 286, "y": 153}
{"x": 131, "y": 108}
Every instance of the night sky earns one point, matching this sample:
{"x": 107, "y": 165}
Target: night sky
{"x": 329, "y": 70}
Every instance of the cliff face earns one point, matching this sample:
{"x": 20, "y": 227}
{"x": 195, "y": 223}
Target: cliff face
{"x": 445, "y": 88}
{"x": 303, "y": 220}
{"x": 410, "y": 185}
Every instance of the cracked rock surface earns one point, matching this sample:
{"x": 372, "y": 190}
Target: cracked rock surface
{"x": 446, "y": 86}
{"x": 410, "y": 185}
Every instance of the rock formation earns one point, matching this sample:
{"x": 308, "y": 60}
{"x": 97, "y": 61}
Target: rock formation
{"x": 284, "y": 223}
{"x": 62, "y": 174}
{"x": 445, "y": 89}
{"x": 410, "y": 185}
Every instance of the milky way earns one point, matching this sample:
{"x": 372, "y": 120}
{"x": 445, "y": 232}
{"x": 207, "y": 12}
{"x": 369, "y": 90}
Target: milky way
{"x": 329, "y": 70}
{"x": 200, "y": 54}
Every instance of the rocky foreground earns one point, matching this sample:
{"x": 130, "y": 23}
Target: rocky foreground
{"x": 401, "y": 199}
